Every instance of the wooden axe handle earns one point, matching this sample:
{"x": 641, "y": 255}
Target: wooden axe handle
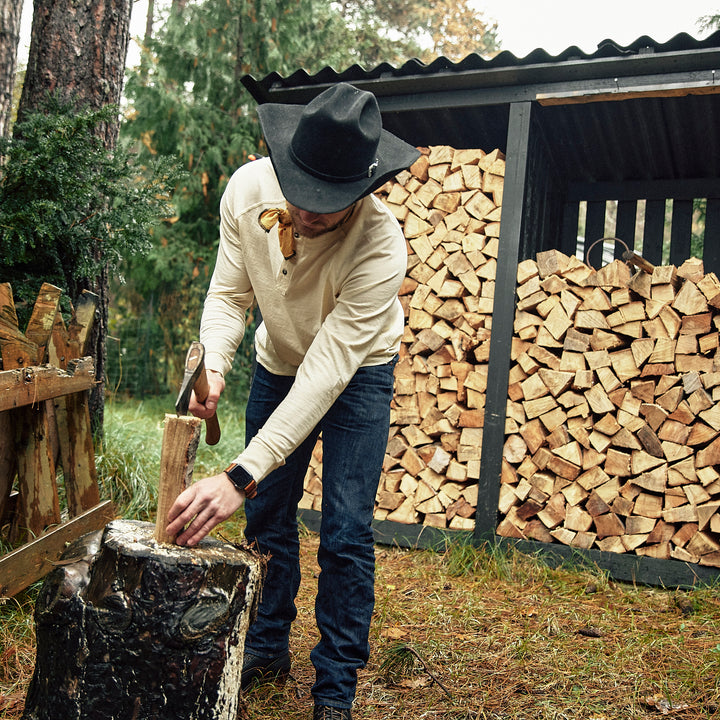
{"x": 212, "y": 425}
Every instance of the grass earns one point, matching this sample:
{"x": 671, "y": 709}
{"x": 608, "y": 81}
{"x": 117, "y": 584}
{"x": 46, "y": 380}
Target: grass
{"x": 458, "y": 634}
{"x": 129, "y": 458}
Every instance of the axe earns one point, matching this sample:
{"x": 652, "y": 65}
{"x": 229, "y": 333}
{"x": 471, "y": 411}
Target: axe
{"x": 195, "y": 378}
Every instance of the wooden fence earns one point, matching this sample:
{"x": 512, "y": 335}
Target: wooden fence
{"x": 44, "y": 427}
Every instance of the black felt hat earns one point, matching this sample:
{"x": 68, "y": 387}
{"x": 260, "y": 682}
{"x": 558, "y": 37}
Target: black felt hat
{"x": 332, "y": 151}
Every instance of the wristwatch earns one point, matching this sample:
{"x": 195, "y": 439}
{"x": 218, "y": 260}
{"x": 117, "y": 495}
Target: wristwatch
{"x": 242, "y": 480}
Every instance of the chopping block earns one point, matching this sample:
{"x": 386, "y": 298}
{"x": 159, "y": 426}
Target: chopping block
{"x": 131, "y": 627}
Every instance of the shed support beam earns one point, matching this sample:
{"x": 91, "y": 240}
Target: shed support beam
{"x": 511, "y": 232}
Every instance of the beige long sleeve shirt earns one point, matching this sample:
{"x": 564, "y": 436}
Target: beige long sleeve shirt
{"x": 327, "y": 311}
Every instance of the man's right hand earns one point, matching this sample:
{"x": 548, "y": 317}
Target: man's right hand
{"x": 216, "y": 386}
{"x": 199, "y": 508}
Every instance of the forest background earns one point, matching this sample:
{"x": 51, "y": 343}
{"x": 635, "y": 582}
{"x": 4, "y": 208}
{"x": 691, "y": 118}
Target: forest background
{"x": 186, "y": 123}
{"x": 183, "y": 123}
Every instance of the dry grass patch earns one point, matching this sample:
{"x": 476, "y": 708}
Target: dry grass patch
{"x": 486, "y": 635}
{"x": 470, "y": 634}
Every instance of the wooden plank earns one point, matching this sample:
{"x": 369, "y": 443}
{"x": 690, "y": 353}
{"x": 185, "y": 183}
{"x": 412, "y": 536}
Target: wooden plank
{"x": 77, "y": 452}
{"x": 7, "y": 459}
{"x": 17, "y": 351}
{"x": 644, "y": 190}
{"x": 74, "y": 433}
{"x": 625, "y": 226}
{"x": 35, "y": 384}
{"x": 569, "y": 231}
{"x": 681, "y": 231}
{"x": 42, "y": 320}
{"x": 653, "y": 231}
{"x": 594, "y": 230}
{"x": 39, "y": 505}
{"x": 24, "y": 566}
{"x": 633, "y": 92}
{"x": 711, "y": 250}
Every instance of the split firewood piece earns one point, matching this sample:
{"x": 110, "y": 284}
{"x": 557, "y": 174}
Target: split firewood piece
{"x": 177, "y": 460}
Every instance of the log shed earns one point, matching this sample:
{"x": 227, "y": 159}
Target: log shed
{"x": 592, "y": 142}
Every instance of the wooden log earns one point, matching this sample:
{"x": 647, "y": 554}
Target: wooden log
{"x": 129, "y": 628}
{"x": 181, "y": 435}
{"x": 29, "y": 563}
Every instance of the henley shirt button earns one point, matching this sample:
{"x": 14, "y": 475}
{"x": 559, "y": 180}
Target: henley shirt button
{"x": 296, "y": 235}
{"x": 284, "y": 271}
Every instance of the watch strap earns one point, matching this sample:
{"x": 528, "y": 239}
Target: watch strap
{"x": 242, "y": 480}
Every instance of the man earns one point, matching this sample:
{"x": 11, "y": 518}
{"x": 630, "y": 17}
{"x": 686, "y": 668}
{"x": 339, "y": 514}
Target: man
{"x": 302, "y": 234}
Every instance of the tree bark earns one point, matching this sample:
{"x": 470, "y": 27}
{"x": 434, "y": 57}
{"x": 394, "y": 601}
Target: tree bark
{"x": 128, "y": 628}
{"x": 10, "y": 13}
{"x": 79, "y": 50}
{"x": 149, "y": 18}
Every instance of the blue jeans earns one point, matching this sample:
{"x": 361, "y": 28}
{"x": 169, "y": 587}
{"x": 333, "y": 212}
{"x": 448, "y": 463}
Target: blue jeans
{"x": 355, "y": 433}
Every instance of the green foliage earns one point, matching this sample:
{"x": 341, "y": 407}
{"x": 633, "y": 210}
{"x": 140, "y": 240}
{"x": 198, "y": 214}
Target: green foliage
{"x": 68, "y": 206}
{"x": 401, "y": 29}
{"x": 187, "y": 102}
{"x": 709, "y": 22}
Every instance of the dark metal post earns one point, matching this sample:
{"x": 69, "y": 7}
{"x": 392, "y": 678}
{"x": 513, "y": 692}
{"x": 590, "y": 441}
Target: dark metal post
{"x": 511, "y": 231}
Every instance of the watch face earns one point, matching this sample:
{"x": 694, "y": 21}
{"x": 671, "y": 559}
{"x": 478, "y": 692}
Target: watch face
{"x": 242, "y": 479}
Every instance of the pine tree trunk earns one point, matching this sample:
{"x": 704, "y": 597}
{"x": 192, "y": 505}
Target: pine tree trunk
{"x": 149, "y": 18}
{"x": 79, "y": 50}
{"x": 10, "y": 13}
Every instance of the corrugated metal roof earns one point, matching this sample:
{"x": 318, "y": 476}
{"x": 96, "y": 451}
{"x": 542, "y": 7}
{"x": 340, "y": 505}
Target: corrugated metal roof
{"x": 681, "y": 51}
{"x": 667, "y": 127}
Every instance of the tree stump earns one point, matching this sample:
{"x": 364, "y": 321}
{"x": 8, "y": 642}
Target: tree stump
{"x": 129, "y": 628}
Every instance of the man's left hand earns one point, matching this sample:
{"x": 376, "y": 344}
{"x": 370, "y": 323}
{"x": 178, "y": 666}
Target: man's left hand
{"x": 197, "y": 510}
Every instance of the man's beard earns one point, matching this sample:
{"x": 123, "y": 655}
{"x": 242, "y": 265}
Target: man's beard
{"x": 319, "y": 227}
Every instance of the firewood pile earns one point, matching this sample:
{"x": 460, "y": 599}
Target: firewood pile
{"x": 613, "y": 426}
{"x": 449, "y": 206}
{"x": 612, "y": 434}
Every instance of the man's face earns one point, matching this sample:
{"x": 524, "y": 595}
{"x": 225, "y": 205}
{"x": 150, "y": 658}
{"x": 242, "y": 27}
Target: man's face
{"x": 311, "y": 224}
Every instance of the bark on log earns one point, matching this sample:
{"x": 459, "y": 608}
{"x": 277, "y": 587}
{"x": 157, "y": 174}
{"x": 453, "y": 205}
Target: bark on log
{"x": 128, "y": 628}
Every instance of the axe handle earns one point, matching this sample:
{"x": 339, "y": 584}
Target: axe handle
{"x": 212, "y": 425}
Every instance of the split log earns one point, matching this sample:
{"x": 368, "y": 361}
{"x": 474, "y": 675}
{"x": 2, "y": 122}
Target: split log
{"x": 181, "y": 435}
{"x": 129, "y": 628}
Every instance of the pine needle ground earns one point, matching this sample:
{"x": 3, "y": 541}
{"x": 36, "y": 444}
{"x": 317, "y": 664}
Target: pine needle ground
{"x": 464, "y": 634}
{"x": 470, "y": 634}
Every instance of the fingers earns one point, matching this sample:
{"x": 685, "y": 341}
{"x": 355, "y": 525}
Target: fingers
{"x": 201, "y": 525}
{"x": 216, "y": 385}
{"x": 197, "y": 510}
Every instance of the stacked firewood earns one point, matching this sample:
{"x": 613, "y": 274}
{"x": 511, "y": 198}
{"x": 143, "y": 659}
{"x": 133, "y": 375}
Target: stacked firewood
{"x": 613, "y": 430}
{"x": 448, "y": 205}
{"x": 613, "y": 414}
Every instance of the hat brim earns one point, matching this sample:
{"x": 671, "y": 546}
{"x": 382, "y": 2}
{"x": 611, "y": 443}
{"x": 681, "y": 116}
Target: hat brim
{"x": 307, "y": 192}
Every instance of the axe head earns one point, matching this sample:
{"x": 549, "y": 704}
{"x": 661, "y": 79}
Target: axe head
{"x": 194, "y": 366}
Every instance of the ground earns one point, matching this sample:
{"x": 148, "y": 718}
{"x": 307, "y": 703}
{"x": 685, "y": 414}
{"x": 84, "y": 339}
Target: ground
{"x": 489, "y": 635}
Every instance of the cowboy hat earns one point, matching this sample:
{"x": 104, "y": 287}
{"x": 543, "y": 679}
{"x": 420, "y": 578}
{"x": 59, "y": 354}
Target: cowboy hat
{"x": 332, "y": 151}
